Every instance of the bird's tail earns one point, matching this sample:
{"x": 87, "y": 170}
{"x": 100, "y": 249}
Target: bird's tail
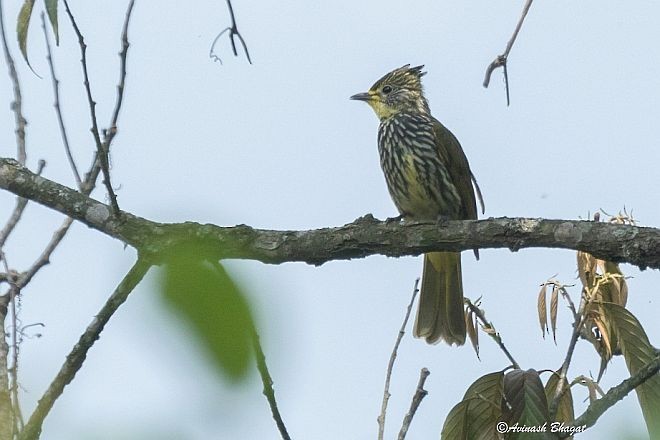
{"x": 440, "y": 314}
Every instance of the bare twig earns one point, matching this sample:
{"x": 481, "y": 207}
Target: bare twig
{"x": 17, "y": 104}
{"x": 44, "y": 258}
{"x": 501, "y": 60}
{"x": 561, "y": 389}
{"x": 233, "y": 32}
{"x": 58, "y": 110}
{"x": 489, "y": 329}
{"x": 76, "y": 357}
{"x": 16, "y": 214}
{"x": 103, "y": 152}
{"x": 419, "y": 395}
{"x": 614, "y": 394}
{"x": 18, "y": 423}
{"x": 267, "y": 382}
{"x": 6, "y": 411}
{"x": 87, "y": 185}
{"x": 123, "y": 54}
{"x": 20, "y": 122}
{"x": 390, "y": 364}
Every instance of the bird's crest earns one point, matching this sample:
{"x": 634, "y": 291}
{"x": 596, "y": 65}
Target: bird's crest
{"x": 404, "y": 77}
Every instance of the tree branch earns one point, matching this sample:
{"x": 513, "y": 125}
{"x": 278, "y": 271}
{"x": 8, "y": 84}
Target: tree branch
{"x": 365, "y": 236}
{"x": 75, "y": 359}
{"x": 614, "y": 394}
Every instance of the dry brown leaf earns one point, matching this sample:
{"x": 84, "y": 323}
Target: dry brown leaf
{"x": 619, "y": 285}
{"x": 554, "y": 301}
{"x": 600, "y": 266}
{"x": 472, "y": 331}
{"x": 543, "y": 310}
{"x": 592, "y": 391}
{"x": 476, "y": 328}
{"x": 586, "y": 264}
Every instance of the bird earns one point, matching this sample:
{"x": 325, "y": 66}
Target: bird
{"x": 429, "y": 179}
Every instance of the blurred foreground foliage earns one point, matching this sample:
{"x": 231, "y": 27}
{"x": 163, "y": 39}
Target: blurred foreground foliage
{"x": 202, "y": 295}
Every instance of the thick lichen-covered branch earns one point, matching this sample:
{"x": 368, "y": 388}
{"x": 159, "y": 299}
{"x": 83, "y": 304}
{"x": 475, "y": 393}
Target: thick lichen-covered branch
{"x": 363, "y": 237}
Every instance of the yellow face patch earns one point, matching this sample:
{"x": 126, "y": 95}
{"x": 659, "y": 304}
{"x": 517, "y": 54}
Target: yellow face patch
{"x": 382, "y": 110}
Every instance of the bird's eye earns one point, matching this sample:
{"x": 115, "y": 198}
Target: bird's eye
{"x": 387, "y": 89}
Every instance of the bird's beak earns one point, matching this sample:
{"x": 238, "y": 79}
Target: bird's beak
{"x": 366, "y": 97}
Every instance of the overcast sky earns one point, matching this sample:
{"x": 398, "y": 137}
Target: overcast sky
{"x": 278, "y": 145}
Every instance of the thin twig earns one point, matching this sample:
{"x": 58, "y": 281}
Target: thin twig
{"x": 419, "y": 395}
{"x": 501, "y": 60}
{"x": 267, "y": 382}
{"x": 561, "y": 389}
{"x": 103, "y": 153}
{"x": 87, "y": 185}
{"x": 489, "y": 329}
{"x": 6, "y": 412}
{"x": 18, "y": 422}
{"x": 16, "y": 214}
{"x": 17, "y": 105}
{"x": 44, "y": 258}
{"x": 12, "y": 372}
{"x": 233, "y": 32}
{"x": 123, "y": 54}
{"x": 390, "y": 364}
{"x": 614, "y": 394}
{"x": 58, "y": 110}
{"x": 76, "y": 357}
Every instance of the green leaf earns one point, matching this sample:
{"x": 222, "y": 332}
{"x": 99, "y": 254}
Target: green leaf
{"x": 524, "y": 403}
{"x": 51, "y": 10}
{"x": 475, "y": 417}
{"x": 22, "y": 26}
{"x": 637, "y": 351}
{"x": 457, "y": 422}
{"x": 213, "y": 308}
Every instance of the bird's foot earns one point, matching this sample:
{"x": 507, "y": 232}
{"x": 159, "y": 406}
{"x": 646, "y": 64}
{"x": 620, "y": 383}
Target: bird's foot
{"x": 441, "y": 220}
{"x": 396, "y": 219}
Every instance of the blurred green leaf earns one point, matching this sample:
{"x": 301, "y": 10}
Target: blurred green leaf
{"x": 637, "y": 351}
{"x": 22, "y": 26}
{"x": 51, "y": 9}
{"x": 204, "y": 296}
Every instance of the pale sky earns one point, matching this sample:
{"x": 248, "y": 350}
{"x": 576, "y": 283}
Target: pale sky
{"x": 278, "y": 145}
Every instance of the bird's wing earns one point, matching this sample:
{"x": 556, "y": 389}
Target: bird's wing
{"x": 457, "y": 164}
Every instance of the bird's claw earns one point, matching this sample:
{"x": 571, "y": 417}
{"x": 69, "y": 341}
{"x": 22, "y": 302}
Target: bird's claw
{"x": 396, "y": 219}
